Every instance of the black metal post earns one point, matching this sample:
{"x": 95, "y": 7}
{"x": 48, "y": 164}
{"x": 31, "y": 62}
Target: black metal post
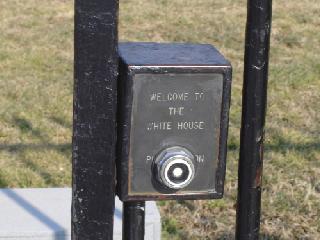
{"x": 95, "y": 76}
{"x": 253, "y": 118}
{"x": 133, "y": 220}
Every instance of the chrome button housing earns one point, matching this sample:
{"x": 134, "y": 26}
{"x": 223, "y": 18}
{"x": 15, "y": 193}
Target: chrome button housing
{"x": 174, "y": 167}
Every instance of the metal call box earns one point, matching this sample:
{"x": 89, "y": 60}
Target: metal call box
{"x": 172, "y": 121}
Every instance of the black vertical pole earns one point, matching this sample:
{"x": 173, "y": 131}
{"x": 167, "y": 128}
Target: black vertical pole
{"x": 253, "y": 118}
{"x": 96, "y": 66}
{"x": 133, "y": 220}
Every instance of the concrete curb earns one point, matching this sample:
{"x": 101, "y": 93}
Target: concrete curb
{"x": 44, "y": 214}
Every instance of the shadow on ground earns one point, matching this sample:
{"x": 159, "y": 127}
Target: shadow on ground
{"x": 21, "y": 150}
{"x": 59, "y": 231}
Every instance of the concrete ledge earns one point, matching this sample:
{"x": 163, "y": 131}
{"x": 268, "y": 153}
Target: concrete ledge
{"x": 44, "y": 214}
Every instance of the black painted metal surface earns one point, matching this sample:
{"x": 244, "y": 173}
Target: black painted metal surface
{"x": 171, "y": 54}
{"x": 96, "y": 66}
{"x": 253, "y": 118}
{"x": 147, "y": 68}
{"x": 133, "y": 221}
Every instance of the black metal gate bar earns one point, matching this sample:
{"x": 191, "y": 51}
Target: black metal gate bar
{"x": 253, "y": 118}
{"x": 96, "y": 66}
{"x": 133, "y": 220}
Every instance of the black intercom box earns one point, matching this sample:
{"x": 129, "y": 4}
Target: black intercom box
{"x": 173, "y": 107}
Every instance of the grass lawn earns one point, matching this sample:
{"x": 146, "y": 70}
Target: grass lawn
{"x": 36, "y": 80}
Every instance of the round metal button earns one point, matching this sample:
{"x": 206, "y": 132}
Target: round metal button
{"x": 174, "y": 167}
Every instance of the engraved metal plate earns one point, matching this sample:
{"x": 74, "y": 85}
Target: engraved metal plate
{"x": 175, "y": 109}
